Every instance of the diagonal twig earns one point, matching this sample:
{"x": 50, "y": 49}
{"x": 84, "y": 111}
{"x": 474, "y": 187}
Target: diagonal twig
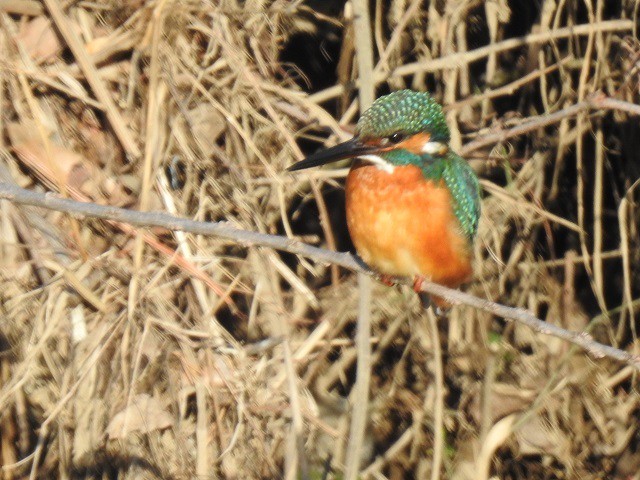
{"x": 225, "y": 231}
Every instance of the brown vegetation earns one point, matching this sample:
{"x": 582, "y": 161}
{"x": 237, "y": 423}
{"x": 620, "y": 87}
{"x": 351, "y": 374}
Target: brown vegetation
{"x": 133, "y": 353}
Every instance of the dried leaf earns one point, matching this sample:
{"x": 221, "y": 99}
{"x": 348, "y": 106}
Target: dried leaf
{"x": 53, "y": 164}
{"x": 57, "y": 165}
{"x": 536, "y": 437}
{"x": 145, "y": 414}
{"x": 40, "y": 40}
{"x": 207, "y": 126}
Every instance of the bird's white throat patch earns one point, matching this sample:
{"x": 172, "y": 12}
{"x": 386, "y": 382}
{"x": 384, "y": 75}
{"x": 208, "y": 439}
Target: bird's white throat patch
{"x": 434, "y": 148}
{"x": 378, "y": 162}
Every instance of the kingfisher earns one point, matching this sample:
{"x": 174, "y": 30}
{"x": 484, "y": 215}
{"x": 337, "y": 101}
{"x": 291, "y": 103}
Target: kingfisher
{"x": 413, "y": 204}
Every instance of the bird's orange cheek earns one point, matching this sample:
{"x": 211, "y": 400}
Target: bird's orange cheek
{"x": 415, "y": 143}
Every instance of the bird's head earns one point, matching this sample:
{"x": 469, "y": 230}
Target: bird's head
{"x": 402, "y": 128}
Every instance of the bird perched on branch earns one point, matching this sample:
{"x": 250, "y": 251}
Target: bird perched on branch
{"x": 413, "y": 204}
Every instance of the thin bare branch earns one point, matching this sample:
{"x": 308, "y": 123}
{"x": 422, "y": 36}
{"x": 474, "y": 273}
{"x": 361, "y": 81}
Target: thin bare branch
{"x": 597, "y": 101}
{"x": 346, "y": 260}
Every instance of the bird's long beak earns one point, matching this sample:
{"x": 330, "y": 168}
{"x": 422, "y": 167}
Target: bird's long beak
{"x": 350, "y": 149}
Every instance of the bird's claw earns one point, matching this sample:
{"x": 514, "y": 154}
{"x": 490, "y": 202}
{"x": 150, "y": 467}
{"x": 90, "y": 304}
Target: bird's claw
{"x": 387, "y": 280}
{"x": 417, "y": 283}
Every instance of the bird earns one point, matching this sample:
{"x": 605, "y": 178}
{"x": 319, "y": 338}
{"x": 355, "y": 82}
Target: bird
{"x": 412, "y": 203}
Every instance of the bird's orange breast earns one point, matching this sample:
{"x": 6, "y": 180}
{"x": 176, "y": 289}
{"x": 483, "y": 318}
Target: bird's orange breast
{"x": 404, "y": 224}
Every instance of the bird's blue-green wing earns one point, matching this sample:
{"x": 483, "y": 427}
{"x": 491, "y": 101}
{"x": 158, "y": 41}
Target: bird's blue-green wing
{"x": 465, "y": 190}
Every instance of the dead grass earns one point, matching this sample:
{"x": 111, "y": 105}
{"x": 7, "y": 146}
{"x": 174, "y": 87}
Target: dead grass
{"x": 134, "y": 354}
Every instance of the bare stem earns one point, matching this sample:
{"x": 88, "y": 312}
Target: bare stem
{"x": 360, "y": 400}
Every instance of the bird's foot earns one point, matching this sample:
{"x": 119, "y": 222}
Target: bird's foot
{"x": 425, "y": 298}
{"x": 387, "y": 280}
{"x": 417, "y": 283}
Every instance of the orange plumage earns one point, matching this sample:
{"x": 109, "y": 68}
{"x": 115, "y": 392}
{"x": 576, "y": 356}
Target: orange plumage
{"x": 402, "y": 223}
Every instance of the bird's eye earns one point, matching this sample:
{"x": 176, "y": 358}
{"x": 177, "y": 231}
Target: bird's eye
{"x": 396, "y": 137}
